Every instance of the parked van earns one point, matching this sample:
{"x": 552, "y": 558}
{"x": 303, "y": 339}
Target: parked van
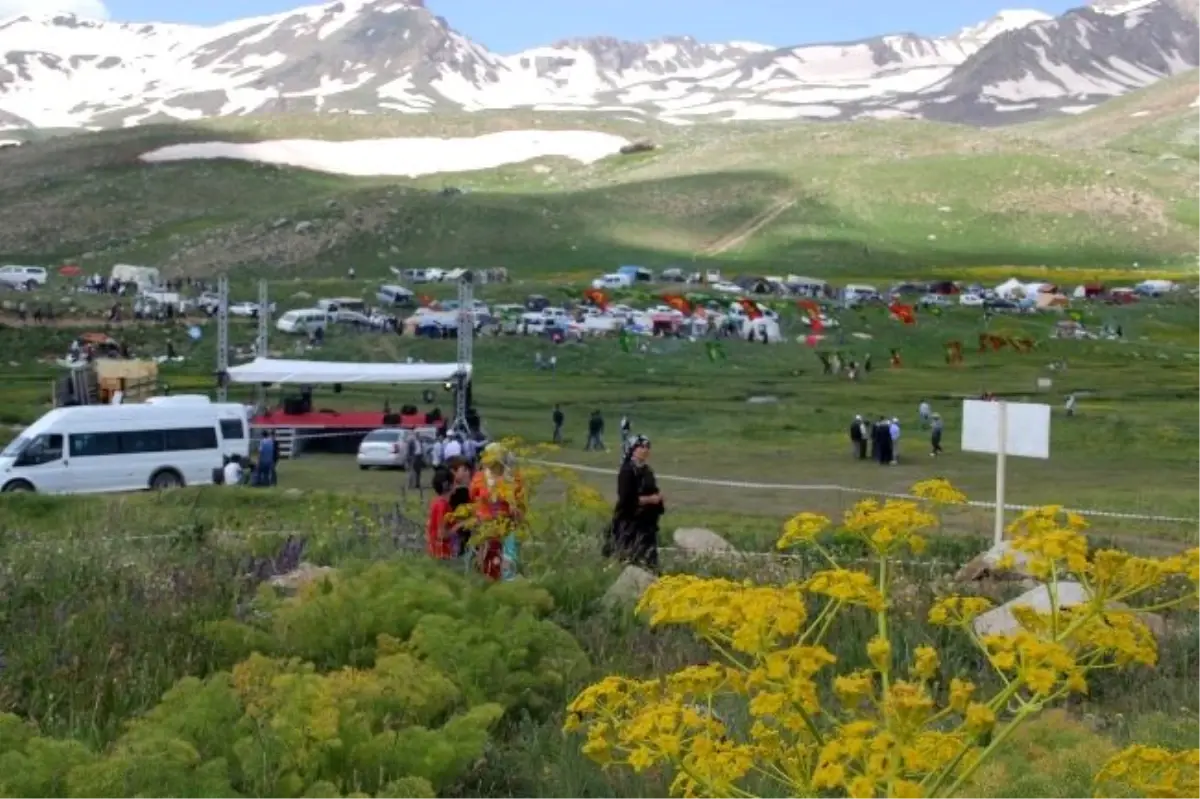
{"x": 394, "y": 296}
{"x": 97, "y": 448}
{"x": 303, "y": 320}
{"x": 335, "y": 304}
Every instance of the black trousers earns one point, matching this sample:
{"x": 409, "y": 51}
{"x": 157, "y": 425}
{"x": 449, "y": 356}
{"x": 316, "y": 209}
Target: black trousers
{"x": 634, "y": 542}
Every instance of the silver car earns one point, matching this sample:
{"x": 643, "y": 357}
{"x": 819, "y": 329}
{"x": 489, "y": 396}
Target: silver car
{"x": 384, "y": 448}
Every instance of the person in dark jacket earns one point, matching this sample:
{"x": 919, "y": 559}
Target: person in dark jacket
{"x": 558, "y": 418}
{"x": 633, "y": 535}
{"x": 858, "y": 441}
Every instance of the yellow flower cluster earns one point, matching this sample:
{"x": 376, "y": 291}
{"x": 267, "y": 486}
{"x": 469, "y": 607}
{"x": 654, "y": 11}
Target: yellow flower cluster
{"x": 750, "y": 618}
{"x": 939, "y": 492}
{"x": 1151, "y": 771}
{"x": 895, "y": 731}
{"x": 891, "y": 525}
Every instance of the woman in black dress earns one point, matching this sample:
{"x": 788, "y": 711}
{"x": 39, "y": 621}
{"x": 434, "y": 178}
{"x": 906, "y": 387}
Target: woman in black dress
{"x": 633, "y": 537}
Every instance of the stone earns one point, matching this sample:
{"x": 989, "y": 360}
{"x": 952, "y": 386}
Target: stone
{"x": 699, "y": 540}
{"x": 628, "y": 588}
{"x": 986, "y": 566}
{"x": 1001, "y": 621}
{"x": 303, "y": 574}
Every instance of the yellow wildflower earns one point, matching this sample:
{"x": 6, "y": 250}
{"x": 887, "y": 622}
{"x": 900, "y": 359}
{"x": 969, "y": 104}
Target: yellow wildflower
{"x": 801, "y": 529}
{"x": 939, "y": 492}
{"x": 879, "y": 650}
{"x": 844, "y": 585}
{"x": 961, "y": 692}
{"x": 979, "y": 719}
{"x": 957, "y": 611}
{"x": 854, "y": 687}
{"x": 925, "y": 662}
{"x": 1151, "y": 771}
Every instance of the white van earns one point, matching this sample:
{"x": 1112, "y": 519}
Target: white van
{"x": 303, "y": 320}
{"x": 393, "y": 295}
{"x": 96, "y": 448}
{"x": 332, "y": 305}
{"x": 233, "y": 418}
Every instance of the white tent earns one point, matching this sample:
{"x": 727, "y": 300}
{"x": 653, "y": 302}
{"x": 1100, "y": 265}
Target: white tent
{"x": 755, "y": 329}
{"x": 277, "y": 371}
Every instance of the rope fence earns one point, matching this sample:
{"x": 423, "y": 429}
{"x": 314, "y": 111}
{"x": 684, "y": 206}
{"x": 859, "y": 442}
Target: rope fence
{"x": 741, "y": 484}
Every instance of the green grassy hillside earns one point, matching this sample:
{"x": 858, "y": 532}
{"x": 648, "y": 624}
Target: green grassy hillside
{"x": 871, "y": 198}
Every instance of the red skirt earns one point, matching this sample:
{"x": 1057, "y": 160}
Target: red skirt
{"x": 490, "y": 558}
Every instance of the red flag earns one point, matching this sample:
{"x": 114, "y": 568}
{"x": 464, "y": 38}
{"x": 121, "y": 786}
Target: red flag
{"x": 678, "y": 303}
{"x": 903, "y": 312}
{"x": 809, "y": 306}
{"x": 750, "y": 307}
{"x": 596, "y": 297}
{"x": 817, "y": 325}
{"x": 811, "y": 340}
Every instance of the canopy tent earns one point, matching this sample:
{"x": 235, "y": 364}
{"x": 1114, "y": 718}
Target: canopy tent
{"x": 276, "y": 370}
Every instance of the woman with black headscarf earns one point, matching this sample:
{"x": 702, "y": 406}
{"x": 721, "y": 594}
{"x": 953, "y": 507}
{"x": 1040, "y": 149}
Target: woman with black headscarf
{"x": 634, "y": 531}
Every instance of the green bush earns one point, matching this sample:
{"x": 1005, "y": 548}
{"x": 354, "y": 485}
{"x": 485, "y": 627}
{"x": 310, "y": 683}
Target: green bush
{"x": 492, "y": 641}
{"x": 383, "y": 680}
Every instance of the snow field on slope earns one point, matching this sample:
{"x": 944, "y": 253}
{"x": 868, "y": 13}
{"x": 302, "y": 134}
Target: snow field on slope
{"x": 405, "y": 157}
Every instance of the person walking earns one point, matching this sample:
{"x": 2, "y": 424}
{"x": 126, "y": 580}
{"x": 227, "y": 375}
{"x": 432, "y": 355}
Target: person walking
{"x": 633, "y": 534}
{"x": 924, "y": 412}
{"x": 558, "y": 419}
{"x": 626, "y": 427}
{"x": 595, "y": 433}
{"x": 1070, "y": 404}
{"x": 935, "y": 436}
{"x": 858, "y": 444}
{"x": 894, "y": 441}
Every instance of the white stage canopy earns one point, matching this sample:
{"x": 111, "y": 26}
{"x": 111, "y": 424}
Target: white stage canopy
{"x": 276, "y": 370}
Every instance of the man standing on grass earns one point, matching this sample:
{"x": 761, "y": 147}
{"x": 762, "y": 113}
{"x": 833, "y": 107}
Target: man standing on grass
{"x": 935, "y": 436}
{"x": 453, "y": 448}
{"x": 558, "y": 419}
{"x": 595, "y": 431}
{"x": 924, "y": 411}
{"x": 266, "y": 460}
{"x": 858, "y": 444}
{"x": 413, "y": 460}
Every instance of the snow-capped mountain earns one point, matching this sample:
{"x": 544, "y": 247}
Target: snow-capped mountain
{"x": 379, "y": 56}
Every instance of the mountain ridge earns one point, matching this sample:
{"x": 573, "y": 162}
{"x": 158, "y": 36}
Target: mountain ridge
{"x": 395, "y": 56}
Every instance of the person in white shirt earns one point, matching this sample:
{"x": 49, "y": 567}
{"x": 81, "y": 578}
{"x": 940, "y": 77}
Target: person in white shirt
{"x": 925, "y": 412}
{"x": 233, "y": 471}
{"x": 453, "y": 448}
{"x": 437, "y": 453}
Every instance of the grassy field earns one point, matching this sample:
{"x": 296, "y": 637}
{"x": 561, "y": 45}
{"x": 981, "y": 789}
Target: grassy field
{"x": 869, "y": 198}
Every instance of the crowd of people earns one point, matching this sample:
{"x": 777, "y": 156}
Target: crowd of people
{"x": 478, "y": 509}
{"x": 880, "y": 440}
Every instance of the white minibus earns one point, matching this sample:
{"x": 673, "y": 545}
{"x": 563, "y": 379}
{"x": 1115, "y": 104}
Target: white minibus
{"x": 99, "y": 448}
{"x": 303, "y": 320}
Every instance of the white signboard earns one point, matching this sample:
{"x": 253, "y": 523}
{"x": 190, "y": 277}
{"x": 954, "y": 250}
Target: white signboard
{"x": 1025, "y": 428}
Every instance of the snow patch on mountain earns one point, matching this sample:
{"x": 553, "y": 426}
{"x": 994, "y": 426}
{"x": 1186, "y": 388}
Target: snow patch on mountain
{"x": 405, "y": 157}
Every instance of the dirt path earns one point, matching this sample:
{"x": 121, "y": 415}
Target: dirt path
{"x": 742, "y": 234}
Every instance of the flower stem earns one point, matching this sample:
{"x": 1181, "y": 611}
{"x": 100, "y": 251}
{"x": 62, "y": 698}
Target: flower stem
{"x": 991, "y": 747}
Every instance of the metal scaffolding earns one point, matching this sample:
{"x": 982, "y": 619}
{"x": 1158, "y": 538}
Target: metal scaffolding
{"x": 466, "y": 351}
{"x": 261, "y": 341}
{"x": 222, "y": 338}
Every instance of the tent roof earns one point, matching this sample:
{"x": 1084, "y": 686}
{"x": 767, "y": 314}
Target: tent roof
{"x": 276, "y": 370}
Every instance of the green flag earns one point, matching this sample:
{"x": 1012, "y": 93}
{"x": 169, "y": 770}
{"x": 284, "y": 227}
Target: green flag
{"x": 625, "y": 340}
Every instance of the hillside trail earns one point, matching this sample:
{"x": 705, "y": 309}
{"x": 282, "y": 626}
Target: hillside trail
{"x": 741, "y": 234}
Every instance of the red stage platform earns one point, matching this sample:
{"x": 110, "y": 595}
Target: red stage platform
{"x": 334, "y": 420}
